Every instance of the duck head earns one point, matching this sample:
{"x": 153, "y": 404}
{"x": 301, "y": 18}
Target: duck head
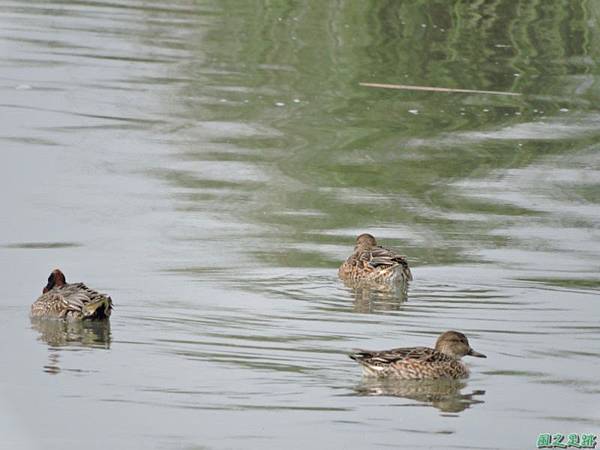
{"x": 455, "y": 344}
{"x": 365, "y": 240}
{"x": 56, "y": 279}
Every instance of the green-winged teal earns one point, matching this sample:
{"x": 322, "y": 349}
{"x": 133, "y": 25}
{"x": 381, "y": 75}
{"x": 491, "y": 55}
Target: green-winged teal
{"x": 61, "y": 300}
{"x": 371, "y": 263}
{"x": 420, "y": 363}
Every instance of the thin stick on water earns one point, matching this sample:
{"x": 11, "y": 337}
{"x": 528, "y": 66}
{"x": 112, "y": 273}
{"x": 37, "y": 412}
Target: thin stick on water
{"x": 434, "y": 89}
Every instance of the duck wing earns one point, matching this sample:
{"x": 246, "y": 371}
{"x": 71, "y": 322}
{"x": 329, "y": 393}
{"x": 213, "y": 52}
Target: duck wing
{"x": 380, "y": 256}
{"x": 79, "y": 297}
{"x": 421, "y": 354}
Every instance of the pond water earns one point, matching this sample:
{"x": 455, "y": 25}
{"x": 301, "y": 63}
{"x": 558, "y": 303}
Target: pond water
{"x": 209, "y": 164}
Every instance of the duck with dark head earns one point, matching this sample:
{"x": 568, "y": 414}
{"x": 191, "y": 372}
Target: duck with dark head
{"x": 61, "y": 300}
{"x": 56, "y": 279}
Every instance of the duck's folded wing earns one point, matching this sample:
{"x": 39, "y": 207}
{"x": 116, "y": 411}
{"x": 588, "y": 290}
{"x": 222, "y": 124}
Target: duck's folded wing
{"x": 393, "y": 355}
{"x": 380, "y": 256}
{"x": 426, "y": 354}
{"x": 77, "y": 295}
{"x": 76, "y": 300}
{"x": 93, "y": 301}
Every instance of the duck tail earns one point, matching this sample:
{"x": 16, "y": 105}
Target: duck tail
{"x": 407, "y": 273}
{"x": 360, "y": 355}
{"x": 98, "y": 309}
{"x": 369, "y": 367}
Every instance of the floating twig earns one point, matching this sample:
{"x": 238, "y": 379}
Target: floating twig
{"x": 434, "y": 89}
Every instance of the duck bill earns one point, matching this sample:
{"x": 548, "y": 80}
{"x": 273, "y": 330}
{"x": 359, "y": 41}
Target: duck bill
{"x": 476, "y": 354}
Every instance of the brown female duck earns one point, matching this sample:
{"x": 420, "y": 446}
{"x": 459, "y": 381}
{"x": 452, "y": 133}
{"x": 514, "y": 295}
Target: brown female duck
{"x": 61, "y": 300}
{"x": 372, "y": 263}
{"x": 420, "y": 363}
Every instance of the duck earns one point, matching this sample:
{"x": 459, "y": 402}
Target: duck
{"x": 420, "y": 363}
{"x": 373, "y": 264}
{"x": 61, "y": 300}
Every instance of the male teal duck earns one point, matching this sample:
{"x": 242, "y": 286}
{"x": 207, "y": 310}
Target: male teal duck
{"x": 371, "y": 263}
{"x": 420, "y": 363}
{"x": 60, "y": 300}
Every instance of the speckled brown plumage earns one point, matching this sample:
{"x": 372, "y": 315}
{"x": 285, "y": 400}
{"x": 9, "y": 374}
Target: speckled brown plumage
{"x": 373, "y": 264}
{"x": 417, "y": 363}
{"x": 70, "y": 301}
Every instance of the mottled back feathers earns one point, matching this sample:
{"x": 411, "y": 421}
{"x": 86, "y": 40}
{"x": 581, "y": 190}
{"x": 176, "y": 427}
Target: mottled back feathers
{"x": 72, "y": 301}
{"x": 410, "y": 363}
{"x": 419, "y": 363}
{"x": 373, "y": 263}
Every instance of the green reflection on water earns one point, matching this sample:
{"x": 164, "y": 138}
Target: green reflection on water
{"x": 275, "y": 87}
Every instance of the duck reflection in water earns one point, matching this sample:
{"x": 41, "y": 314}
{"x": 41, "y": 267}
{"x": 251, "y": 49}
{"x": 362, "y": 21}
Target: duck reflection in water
{"x": 60, "y": 334}
{"x": 375, "y": 298}
{"x": 443, "y": 394}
